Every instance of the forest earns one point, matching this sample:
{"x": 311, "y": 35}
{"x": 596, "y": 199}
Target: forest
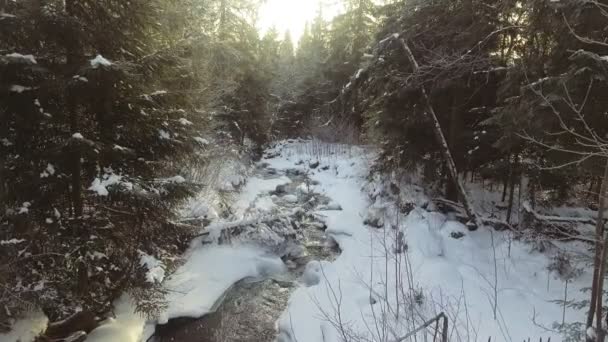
{"x": 119, "y": 118}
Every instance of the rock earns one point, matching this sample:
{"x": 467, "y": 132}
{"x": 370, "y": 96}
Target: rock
{"x": 294, "y": 172}
{"x": 374, "y": 218}
{"x": 394, "y": 189}
{"x": 331, "y": 206}
{"x": 318, "y": 225}
{"x": 457, "y": 235}
{"x": 82, "y": 321}
{"x": 314, "y": 165}
{"x": 280, "y": 189}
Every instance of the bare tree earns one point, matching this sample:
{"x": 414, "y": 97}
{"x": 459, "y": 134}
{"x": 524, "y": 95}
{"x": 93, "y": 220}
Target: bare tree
{"x": 588, "y": 144}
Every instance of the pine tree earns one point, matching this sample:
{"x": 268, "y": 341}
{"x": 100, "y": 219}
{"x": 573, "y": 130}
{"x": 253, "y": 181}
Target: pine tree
{"x": 86, "y": 136}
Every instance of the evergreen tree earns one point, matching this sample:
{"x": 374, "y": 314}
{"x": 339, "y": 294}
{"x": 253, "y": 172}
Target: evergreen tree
{"x": 86, "y": 135}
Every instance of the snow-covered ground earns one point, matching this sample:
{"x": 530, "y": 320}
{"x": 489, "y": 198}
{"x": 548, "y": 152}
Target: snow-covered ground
{"x": 398, "y": 267}
{"x": 387, "y": 282}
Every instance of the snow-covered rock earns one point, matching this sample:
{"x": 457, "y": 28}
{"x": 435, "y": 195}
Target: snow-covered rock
{"x": 312, "y": 273}
{"x": 290, "y": 198}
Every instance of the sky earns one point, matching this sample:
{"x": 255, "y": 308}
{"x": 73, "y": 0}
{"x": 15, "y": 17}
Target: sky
{"x": 292, "y": 15}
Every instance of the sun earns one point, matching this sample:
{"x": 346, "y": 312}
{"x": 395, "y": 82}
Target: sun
{"x": 292, "y": 15}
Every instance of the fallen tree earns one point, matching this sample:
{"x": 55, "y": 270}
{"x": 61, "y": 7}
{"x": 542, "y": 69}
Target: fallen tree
{"x": 474, "y": 221}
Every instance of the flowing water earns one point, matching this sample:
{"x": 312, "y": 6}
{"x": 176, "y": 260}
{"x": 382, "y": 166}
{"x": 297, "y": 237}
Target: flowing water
{"x": 249, "y": 309}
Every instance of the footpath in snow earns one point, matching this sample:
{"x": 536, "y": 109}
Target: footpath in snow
{"x": 401, "y": 262}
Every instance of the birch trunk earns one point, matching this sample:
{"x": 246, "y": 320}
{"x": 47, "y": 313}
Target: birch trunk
{"x": 599, "y": 268}
{"x": 443, "y": 145}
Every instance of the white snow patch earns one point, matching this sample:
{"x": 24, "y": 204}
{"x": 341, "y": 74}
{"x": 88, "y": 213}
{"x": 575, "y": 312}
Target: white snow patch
{"x": 11, "y": 242}
{"x": 447, "y": 262}
{"x": 164, "y": 134}
{"x": 126, "y": 327}
{"x": 209, "y": 272}
{"x": 80, "y": 78}
{"x": 7, "y": 15}
{"x": 25, "y": 208}
{"x": 158, "y": 92}
{"x": 27, "y": 329}
{"x": 25, "y": 58}
{"x": 202, "y": 141}
{"x": 173, "y": 180}
{"x": 185, "y": 122}
{"x": 290, "y": 198}
{"x": 156, "y": 269}
{"x": 100, "y": 61}
{"x": 100, "y": 185}
{"x": 15, "y": 88}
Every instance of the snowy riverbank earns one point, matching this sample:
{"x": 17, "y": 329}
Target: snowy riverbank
{"x": 399, "y": 266}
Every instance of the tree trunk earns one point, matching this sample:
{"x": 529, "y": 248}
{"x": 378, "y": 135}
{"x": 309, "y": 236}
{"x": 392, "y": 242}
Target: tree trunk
{"x": 72, "y": 61}
{"x": 443, "y": 145}
{"x": 599, "y": 261}
{"x": 454, "y": 134}
{"x": 512, "y": 174}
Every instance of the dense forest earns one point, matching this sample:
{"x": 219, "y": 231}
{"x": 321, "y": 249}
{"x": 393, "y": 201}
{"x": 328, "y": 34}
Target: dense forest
{"x": 106, "y": 107}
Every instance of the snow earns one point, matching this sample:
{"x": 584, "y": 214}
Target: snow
{"x": 173, "y": 180}
{"x": 6, "y": 15}
{"x": 80, "y": 78}
{"x": 209, "y": 272}
{"x": 49, "y": 171}
{"x": 11, "y": 242}
{"x": 156, "y": 269}
{"x": 100, "y": 185}
{"x": 25, "y": 208}
{"x": 201, "y": 141}
{"x": 15, "y": 88}
{"x": 27, "y": 329}
{"x": 254, "y": 187}
{"x": 290, "y": 198}
{"x": 77, "y": 136}
{"x": 164, "y": 134}
{"x": 185, "y": 122}
{"x": 127, "y": 326}
{"x": 418, "y": 263}
{"x": 448, "y": 265}
{"x": 100, "y": 61}
{"x": 359, "y": 72}
{"x": 25, "y": 58}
